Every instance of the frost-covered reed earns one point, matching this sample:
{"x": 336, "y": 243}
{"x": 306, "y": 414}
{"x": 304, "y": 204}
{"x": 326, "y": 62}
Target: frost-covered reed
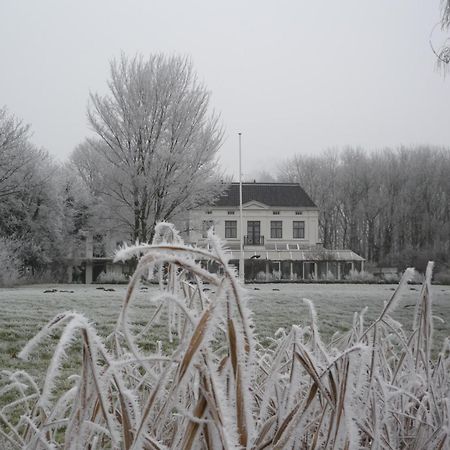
{"x": 375, "y": 387}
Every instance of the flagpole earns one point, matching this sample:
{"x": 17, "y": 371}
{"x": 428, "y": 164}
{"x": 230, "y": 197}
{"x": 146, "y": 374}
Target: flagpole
{"x": 241, "y": 257}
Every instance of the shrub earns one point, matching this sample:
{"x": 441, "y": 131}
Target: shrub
{"x": 391, "y": 277}
{"x": 44, "y": 275}
{"x": 276, "y": 275}
{"x": 111, "y": 278}
{"x": 375, "y": 387}
{"x": 417, "y": 277}
{"x": 330, "y": 276}
{"x": 261, "y": 276}
{"x": 356, "y": 276}
{"x": 443, "y": 277}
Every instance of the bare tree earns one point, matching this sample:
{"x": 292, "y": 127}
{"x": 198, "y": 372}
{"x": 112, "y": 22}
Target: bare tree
{"x": 155, "y": 154}
{"x": 391, "y": 206}
{"x": 318, "y": 176}
{"x": 17, "y": 156}
{"x": 442, "y": 49}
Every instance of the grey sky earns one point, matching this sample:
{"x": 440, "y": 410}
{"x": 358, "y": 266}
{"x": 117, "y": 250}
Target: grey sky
{"x": 293, "y": 76}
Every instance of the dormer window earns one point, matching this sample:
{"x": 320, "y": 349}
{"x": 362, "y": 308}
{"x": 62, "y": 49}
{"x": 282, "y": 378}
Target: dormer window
{"x": 298, "y": 213}
{"x": 231, "y": 213}
{"x": 209, "y": 212}
{"x": 276, "y": 213}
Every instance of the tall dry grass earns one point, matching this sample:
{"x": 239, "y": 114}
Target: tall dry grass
{"x": 375, "y": 387}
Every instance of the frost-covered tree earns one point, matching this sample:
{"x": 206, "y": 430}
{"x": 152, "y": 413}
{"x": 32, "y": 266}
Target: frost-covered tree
{"x": 155, "y": 151}
{"x": 391, "y": 206}
{"x": 32, "y": 216}
{"x": 18, "y": 156}
{"x": 76, "y": 210}
{"x": 31, "y": 206}
{"x": 442, "y": 49}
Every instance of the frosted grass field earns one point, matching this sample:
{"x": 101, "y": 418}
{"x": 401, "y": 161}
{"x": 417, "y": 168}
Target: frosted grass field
{"x": 336, "y": 303}
{"x": 24, "y": 310}
{"x": 394, "y": 376}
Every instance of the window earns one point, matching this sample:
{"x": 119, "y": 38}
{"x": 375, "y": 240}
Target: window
{"x": 207, "y": 224}
{"x": 209, "y": 212}
{"x": 276, "y": 229}
{"x": 276, "y": 213}
{"x": 230, "y": 229}
{"x": 298, "y": 229}
{"x": 298, "y": 213}
{"x": 231, "y": 213}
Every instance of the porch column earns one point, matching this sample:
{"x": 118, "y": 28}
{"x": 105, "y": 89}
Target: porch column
{"x": 70, "y": 274}
{"x": 291, "y": 266}
{"x": 88, "y": 273}
{"x": 267, "y": 269}
{"x": 338, "y": 270}
{"x": 316, "y": 270}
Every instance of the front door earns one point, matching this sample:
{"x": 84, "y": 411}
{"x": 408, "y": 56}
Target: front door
{"x": 253, "y": 232}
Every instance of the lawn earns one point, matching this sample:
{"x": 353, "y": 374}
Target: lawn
{"x": 24, "y": 310}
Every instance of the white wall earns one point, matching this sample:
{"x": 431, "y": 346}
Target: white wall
{"x": 264, "y": 215}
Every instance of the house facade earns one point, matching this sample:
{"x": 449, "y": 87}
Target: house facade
{"x": 280, "y": 233}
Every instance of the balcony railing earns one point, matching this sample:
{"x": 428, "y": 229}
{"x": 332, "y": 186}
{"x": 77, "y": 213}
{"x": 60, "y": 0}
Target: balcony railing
{"x": 253, "y": 240}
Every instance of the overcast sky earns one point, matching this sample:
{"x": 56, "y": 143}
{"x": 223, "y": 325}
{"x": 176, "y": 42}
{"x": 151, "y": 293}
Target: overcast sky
{"x": 294, "y": 76}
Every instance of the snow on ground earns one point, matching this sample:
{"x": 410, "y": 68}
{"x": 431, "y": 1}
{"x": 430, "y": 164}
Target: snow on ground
{"x": 24, "y": 310}
{"x": 336, "y": 303}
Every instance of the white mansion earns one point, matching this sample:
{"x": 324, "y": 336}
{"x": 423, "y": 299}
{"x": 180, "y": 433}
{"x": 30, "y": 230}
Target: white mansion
{"x": 275, "y": 215}
{"x": 280, "y": 231}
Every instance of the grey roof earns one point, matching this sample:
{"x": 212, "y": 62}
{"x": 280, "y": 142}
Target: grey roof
{"x": 289, "y": 195}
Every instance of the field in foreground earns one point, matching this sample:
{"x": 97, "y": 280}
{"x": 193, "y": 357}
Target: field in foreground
{"x": 24, "y": 310}
{"x": 219, "y": 387}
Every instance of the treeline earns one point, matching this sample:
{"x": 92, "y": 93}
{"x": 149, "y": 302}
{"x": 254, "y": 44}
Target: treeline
{"x": 42, "y": 208}
{"x": 154, "y": 157}
{"x": 391, "y": 206}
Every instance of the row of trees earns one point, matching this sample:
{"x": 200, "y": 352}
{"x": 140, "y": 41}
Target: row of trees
{"x": 153, "y": 156}
{"x": 43, "y": 206}
{"x": 37, "y": 209}
{"x": 391, "y": 206}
